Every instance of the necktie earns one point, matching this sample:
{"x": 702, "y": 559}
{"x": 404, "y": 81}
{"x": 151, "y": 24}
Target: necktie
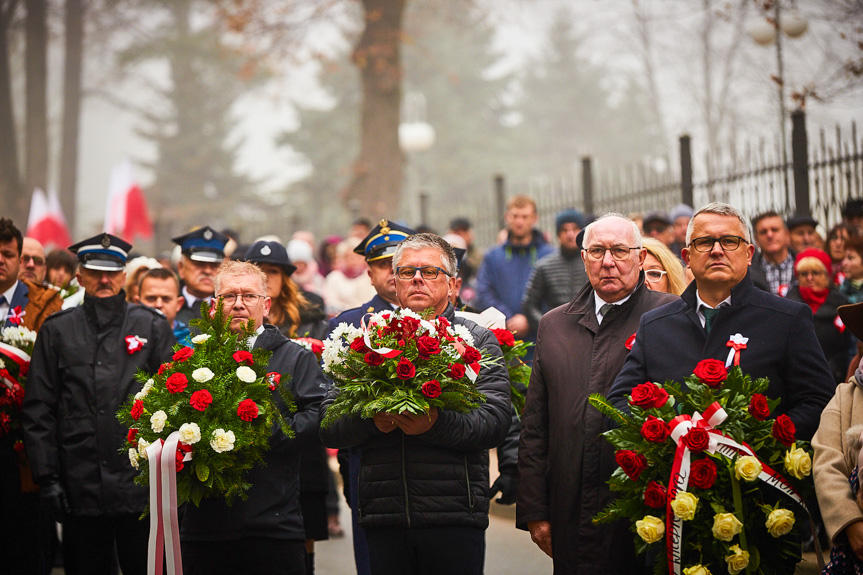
{"x": 604, "y": 308}
{"x": 709, "y": 316}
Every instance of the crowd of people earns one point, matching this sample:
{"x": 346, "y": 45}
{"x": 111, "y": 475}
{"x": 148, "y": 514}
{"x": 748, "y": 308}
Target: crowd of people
{"x": 619, "y": 300}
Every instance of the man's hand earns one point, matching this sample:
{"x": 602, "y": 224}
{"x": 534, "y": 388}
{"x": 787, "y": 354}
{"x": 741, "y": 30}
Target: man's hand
{"x": 854, "y": 533}
{"x": 52, "y": 499}
{"x": 385, "y": 421}
{"x": 540, "y": 533}
{"x": 518, "y": 324}
{"x": 413, "y": 424}
{"x": 507, "y": 486}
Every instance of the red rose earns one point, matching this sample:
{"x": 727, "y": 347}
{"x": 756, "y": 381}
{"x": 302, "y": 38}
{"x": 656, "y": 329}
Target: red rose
{"x": 405, "y": 369}
{"x": 243, "y": 356}
{"x": 629, "y": 342}
{"x": 164, "y": 367}
{"x": 247, "y": 410}
{"x": 201, "y": 399}
{"x": 183, "y": 354}
{"x": 632, "y": 463}
{"x": 176, "y": 382}
{"x": 646, "y": 395}
{"x": 784, "y": 430}
{"x": 410, "y": 326}
{"x": 359, "y": 345}
{"x": 654, "y": 429}
{"x": 655, "y": 495}
{"x": 758, "y": 407}
{"x": 373, "y": 358}
{"x": 711, "y": 372}
{"x": 456, "y": 370}
{"x": 697, "y": 439}
{"x": 427, "y": 346}
{"x": 273, "y": 379}
{"x": 137, "y": 409}
{"x": 702, "y": 473}
{"x": 504, "y": 337}
{"x": 130, "y": 437}
{"x": 431, "y": 389}
{"x": 471, "y": 354}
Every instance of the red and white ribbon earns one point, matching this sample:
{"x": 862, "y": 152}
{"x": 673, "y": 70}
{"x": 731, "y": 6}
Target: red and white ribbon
{"x": 134, "y": 343}
{"x": 713, "y": 416}
{"x": 15, "y": 315}
{"x": 164, "y": 527}
{"x": 384, "y": 351}
{"x": 14, "y": 354}
{"x": 736, "y": 342}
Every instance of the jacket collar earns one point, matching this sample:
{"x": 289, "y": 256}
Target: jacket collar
{"x": 739, "y": 293}
{"x": 106, "y": 311}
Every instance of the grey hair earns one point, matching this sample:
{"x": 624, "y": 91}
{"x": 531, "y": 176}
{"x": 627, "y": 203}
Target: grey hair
{"x": 636, "y": 233}
{"x": 722, "y": 209}
{"x": 239, "y": 268}
{"x": 425, "y": 240}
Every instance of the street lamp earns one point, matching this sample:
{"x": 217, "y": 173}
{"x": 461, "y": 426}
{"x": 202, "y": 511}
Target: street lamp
{"x": 416, "y": 136}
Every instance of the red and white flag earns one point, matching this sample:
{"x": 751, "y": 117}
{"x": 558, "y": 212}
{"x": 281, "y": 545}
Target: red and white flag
{"x": 46, "y": 222}
{"x": 126, "y": 213}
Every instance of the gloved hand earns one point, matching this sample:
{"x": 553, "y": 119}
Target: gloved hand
{"x": 507, "y": 486}
{"x": 52, "y": 499}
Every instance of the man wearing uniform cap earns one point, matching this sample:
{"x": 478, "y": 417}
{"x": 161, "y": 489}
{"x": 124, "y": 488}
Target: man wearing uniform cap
{"x": 378, "y": 248}
{"x": 203, "y": 252}
{"x": 82, "y": 369}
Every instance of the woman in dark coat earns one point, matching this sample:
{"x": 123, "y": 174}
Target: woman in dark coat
{"x": 816, "y": 289}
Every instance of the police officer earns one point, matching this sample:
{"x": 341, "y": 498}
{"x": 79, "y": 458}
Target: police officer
{"x": 203, "y": 252}
{"x": 83, "y": 368}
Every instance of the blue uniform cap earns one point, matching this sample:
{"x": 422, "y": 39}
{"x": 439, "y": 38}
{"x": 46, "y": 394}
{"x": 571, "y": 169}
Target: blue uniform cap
{"x": 383, "y": 240}
{"x": 104, "y": 252}
{"x": 203, "y": 245}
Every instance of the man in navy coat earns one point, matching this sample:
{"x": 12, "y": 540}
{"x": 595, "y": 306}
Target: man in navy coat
{"x": 721, "y": 303}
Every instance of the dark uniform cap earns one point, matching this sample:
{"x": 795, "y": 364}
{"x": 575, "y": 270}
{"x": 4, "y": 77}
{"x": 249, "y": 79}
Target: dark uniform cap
{"x": 103, "y": 252}
{"x": 203, "y": 245}
{"x": 382, "y": 241}
{"x": 270, "y": 253}
{"x": 797, "y": 221}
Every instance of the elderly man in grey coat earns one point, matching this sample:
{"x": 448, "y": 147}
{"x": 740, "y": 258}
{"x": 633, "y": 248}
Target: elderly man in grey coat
{"x": 562, "y": 460}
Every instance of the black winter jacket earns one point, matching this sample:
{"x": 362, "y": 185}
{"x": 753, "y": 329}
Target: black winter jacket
{"x": 81, "y": 371}
{"x": 439, "y": 478}
{"x": 272, "y": 509}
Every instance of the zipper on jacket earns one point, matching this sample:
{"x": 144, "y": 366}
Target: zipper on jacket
{"x": 467, "y": 478}
{"x": 405, "y": 484}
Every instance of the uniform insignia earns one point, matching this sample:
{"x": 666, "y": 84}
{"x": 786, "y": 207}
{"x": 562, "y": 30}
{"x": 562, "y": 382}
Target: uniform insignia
{"x": 371, "y": 309}
{"x": 106, "y": 241}
{"x": 208, "y": 235}
{"x": 265, "y": 251}
{"x": 385, "y": 227}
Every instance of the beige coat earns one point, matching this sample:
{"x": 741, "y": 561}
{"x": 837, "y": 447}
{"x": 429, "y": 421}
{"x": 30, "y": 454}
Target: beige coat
{"x": 835, "y": 459}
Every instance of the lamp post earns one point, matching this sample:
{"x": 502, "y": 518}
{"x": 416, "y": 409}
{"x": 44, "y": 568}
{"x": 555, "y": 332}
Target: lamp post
{"x": 416, "y": 136}
{"x": 765, "y": 31}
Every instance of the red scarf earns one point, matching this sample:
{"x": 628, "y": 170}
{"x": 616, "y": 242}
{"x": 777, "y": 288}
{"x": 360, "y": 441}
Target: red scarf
{"x": 814, "y": 297}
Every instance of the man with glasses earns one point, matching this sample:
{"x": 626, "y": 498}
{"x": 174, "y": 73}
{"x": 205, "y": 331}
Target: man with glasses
{"x": 563, "y": 462}
{"x": 723, "y": 303}
{"x": 33, "y": 266}
{"x": 424, "y": 481}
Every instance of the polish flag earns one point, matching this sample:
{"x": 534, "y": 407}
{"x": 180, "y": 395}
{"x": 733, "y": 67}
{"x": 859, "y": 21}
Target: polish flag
{"x": 126, "y": 213}
{"x": 46, "y": 222}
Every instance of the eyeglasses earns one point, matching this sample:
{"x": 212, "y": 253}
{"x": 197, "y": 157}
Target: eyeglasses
{"x": 619, "y": 253}
{"x": 654, "y": 276}
{"x": 426, "y": 272}
{"x": 37, "y": 261}
{"x": 811, "y": 274}
{"x": 248, "y": 298}
{"x": 727, "y": 243}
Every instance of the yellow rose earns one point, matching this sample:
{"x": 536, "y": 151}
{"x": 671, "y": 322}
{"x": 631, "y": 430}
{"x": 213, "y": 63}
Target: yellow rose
{"x": 797, "y": 462}
{"x": 726, "y": 526}
{"x": 684, "y": 505}
{"x": 697, "y": 570}
{"x": 747, "y": 468}
{"x": 779, "y": 522}
{"x": 651, "y": 529}
{"x": 738, "y": 561}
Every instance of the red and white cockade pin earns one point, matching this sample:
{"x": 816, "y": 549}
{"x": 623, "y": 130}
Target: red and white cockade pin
{"x": 134, "y": 344}
{"x": 736, "y": 342}
{"x": 839, "y": 324}
{"x": 16, "y": 315}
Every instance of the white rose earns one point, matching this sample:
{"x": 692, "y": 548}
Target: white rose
{"x": 246, "y": 374}
{"x": 201, "y": 338}
{"x": 202, "y": 375}
{"x": 157, "y": 421}
{"x": 143, "y": 444}
{"x": 145, "y": 390}
{"x": 190, "y": 433}
{"x": 133, "y": 458}
{"x": 222, "y": 440}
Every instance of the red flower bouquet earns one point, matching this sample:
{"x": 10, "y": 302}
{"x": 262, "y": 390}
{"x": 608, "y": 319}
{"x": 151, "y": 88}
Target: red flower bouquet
{"x": 399, "y": 362}
{"x": 16, "y": 347}
{"x": 519, "y": 372}
{"x": 705, "y": 477}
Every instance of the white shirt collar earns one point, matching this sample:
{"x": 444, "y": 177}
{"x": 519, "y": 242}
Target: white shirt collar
{"x": 599, "y": 302}
{"x": 700, "y": 302}
{"x": 192, "y": 300}
{"x": 253, "y": 338}
{"x": 7, "y": 305}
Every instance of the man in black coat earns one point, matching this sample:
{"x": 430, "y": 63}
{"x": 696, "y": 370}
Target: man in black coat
{"x": 264, "y": 533}
{"x": 83, "y": 368}
{"x": 721, "y": 303}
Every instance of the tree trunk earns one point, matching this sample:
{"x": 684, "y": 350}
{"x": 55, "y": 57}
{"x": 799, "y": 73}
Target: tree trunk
{"x": 10, "y": 177}
{"x": 36, "y": 66}
{"x": 72, "y": 69}
{"x": 375, "y": 186}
